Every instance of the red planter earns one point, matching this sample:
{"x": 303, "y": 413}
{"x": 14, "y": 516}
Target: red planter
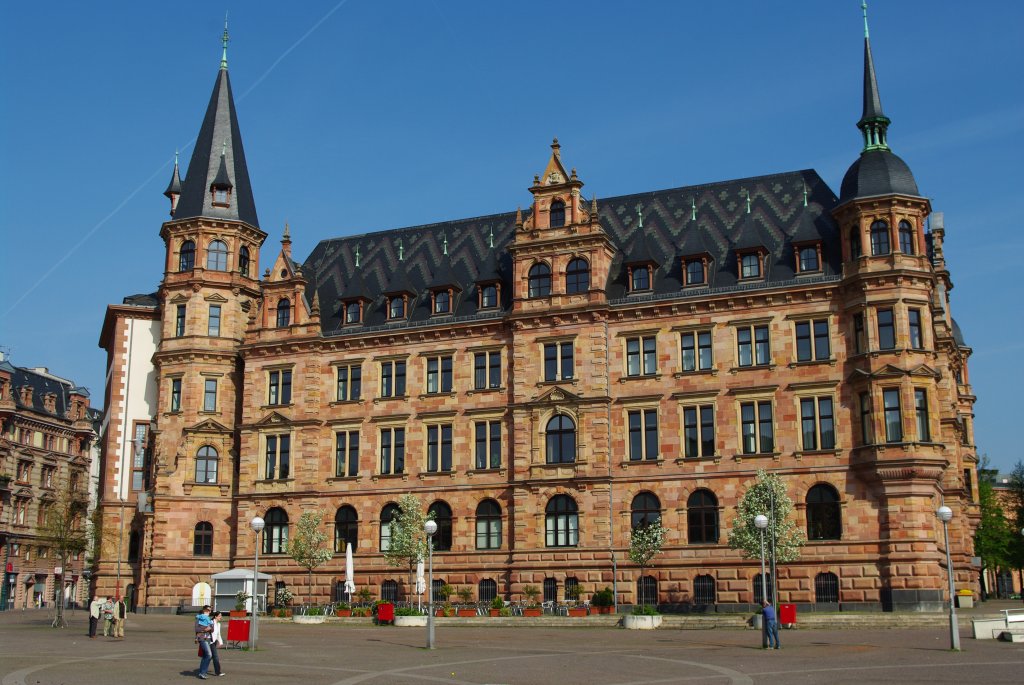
{"x": 467, "y": 613}
{"x": 494, "y": 613}
{"x": 534, "y": 611}
{"x": 344, "y": 613}
{"x": 238, "y": 614}
{"x": 577, "y": 611}
{"x": 601, "y": 610}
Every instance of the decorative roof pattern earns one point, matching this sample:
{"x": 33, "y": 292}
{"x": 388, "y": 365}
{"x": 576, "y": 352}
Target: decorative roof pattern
{"x": 42, "y": 385}
{"x": 777, "y": 213}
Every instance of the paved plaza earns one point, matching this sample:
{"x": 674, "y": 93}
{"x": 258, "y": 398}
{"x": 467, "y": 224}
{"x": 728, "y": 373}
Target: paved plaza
{"x": 159, "y": 649}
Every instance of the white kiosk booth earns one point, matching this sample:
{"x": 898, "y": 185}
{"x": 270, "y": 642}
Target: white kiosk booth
{"x": 227, "y": 584}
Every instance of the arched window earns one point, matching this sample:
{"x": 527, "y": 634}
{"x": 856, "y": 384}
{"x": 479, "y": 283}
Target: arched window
{"x": 704, "y": 590}
{"x": 824, "y": 521}
{"x": 647, "y": 590}
{"x": 540, "y": 280}
{"x": 758, "y": 592}
{"x": 352, "y": 312}
{"x": 488, "y": 525}
{"x": 640, "y": 279}
{"x": 187, "y": 256}
{"x": 134, "y": 545}
{"x": 646, "y": 508}
{"x": 275, "y": 535}
{"x": 389, "y": 591}
{"x": 206, "y": 465}
{"x": 217, "y": 256}
{"x": 879, "y": 239}
{"x": 557, "y": 214}
{"x": 855, "y": 251}
{"x": 387, "y": 516}
{"x": 906, "y": 238}
{"x": 284, "y": 312}
{"x": 442, "y": 515}
{"x": 702, "y": 517}
{"x": 826, "y": 588}
{"x": 550, "y": 590}
{"x": 202, "y": 539}
{"x": 243, "y": 261}
{"x": 577, "y": 277}
{"x": 561, "y": 440}
{"x": 346, "y": 528}
{"x": 486, "y": 590}
{"x": 561, "y": 522}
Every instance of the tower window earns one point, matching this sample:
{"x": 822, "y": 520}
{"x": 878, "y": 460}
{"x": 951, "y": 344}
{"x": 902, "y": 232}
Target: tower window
{"x": 855, "y": 251}
{"x": 557, "y": 214}
{"x": 442, "y": 302}
{"x": 243, "y": 261}
{"x": 187, "y": 256}
{"x": 353, "y": 312}
{"x": 217, "y": 256}
{"x": 879, "y": 239}
{"x": 577, "y": 277}
{"x": 694, "y": 271}
{"x": 284, "y": 312}
{"x": 750, "y": 265}
{"x": 906, "y": 238}
{"x": 540, "y": 280}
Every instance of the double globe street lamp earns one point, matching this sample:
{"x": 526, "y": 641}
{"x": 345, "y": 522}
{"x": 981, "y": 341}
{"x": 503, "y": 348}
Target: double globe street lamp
{"x": 945, "y": 514}
{"x": 430, "y": 527}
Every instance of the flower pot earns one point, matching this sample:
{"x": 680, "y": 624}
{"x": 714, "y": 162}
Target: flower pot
{"x": 601, "y": 610}
{"x": 343, "y": 613}
{"x": 467, "y": 613}
{"x": 631, "y": 622}
{"x": 494, "y": 613}
{"x": 234, "y": 613}
{"x": 577, "y": 611}
{"x": 532, "y": 611}
{"x": 442, "y": 613}
{"x": 411, "y": 621}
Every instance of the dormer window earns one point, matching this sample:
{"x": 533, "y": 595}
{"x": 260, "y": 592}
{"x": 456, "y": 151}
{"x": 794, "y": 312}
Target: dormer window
{"x": 396, "y": 307}
{"x": 639, "y": 278}
{"x": 353, "y": 312}
{"x": 187, "y": 256}
{"x": 808, "y": 258}
{"x": 489, "y": 296}
{"x": 217, "y": 256}
{"x": 577, "y": 277}
{"x": 284, "y": 312}
{"x": 750, "y": 265}
{"x": 539, "y": 280}
{"x": 695, "y": 271}
{"x": 442, "y": 302}
{"x": 220, "y": 196}
{"x": 243, "y": 261}
{"x": 557, "y": 214}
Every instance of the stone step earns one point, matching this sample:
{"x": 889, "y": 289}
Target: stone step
{"x": 1012, "y": 636}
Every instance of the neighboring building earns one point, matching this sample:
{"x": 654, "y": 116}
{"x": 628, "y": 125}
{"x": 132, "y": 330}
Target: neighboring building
{"x": 47, "y": 438}
{"x": 1003, "y": 582}
{"x": 545, "y": 380}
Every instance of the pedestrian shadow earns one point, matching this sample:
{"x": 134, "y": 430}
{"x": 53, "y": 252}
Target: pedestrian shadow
{"x": 191, "y": 673}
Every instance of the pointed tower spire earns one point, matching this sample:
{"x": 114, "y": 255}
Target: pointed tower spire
{"x": 873, "y": 122}
{"x": 173, "y": 191}
{"x": 593, "y": 206}
{"x": 224, "y": 40}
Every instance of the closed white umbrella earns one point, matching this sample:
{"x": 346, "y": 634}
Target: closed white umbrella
{"x": 350, "y": 584}
{"x": 421, "y": 582}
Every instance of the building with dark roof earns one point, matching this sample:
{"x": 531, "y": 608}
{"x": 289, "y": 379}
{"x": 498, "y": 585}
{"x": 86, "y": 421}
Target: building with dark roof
{"x": 546, "y": 379}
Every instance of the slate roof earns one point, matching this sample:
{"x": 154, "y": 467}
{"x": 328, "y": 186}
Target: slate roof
{"x": 777, "y": 215}
{"x": 42, "y": 385}
{"x": 877, "y": 172}
{"x": 219, "y": 133}
{"x": 142, "y": 300}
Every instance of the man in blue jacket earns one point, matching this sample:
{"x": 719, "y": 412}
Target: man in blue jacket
{"x": 771, "y": 625}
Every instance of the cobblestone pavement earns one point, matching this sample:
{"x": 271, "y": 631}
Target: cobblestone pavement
{"x": 159, "y": 649}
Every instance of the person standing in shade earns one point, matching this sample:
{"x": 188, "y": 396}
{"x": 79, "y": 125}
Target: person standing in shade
{"x": 108, "y": 617}
{"x": 771, "y": 625}
{"x": 204, "y": 631}
{"x": 94, "y": 615}
{"x": 216, "y": 642}
{"x": 120, "y": 614}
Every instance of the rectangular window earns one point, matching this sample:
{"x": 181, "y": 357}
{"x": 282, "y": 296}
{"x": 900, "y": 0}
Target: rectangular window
{"x": 860, "y": 342}
{"x": 643, "y": 434}
{"x": 439, "y": 448}
{"x": 558, "y": 361}
{"x": 392, "y": 450}
{"x": 867, "y": 425}
{"x": 350, "y": 382}
{"x": 213, "y": 323}
{"x": 439, "y": 374}
{"x": 392, "y": 379}
{"x": 641, "y": 356}
{"x": 812, "y": 343}
{"x": 886, "y": 330}
{"x": 486, "y": 370}
{"x": 914, "y": 319}
{"x": 754, "y": 345}
{"x": 817, "y": 423}
{"x": 699, "y": 431}
{"x": 893, "y": 419}
{"x": 758, "y": 433}
{"x": 175, "y": 394}
{"x": 279, "y": 388}
{"x": 179, "y": 321}
{"x": 346, "y": 453}
{"x": 278, "y": 462}
{"x": 921, "y": 410}
{"x": 696, "y": 348}
{"x": 488, "y": 444}
{"x": 210, "y": 395}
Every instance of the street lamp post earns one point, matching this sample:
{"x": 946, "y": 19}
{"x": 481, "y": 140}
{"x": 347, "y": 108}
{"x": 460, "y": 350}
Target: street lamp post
{"x": 945, "y": 514}
{"x": 430, "y": 527}
{"x": 761, "y": 522}
{"x": 257, "y": 524}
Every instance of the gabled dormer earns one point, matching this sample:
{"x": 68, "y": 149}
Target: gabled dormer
{"x": 443, "y": 287}
{"x": 399, "y": 292}
{"x": 640, "y": 261}
{"x": 284, "y": 293}
{"x": 695, "y": 255}
{"x": 221, "y": 187}
{"x": 752, "y": 246}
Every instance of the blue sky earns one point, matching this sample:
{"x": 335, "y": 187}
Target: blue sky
{"x": 360, "y": 116}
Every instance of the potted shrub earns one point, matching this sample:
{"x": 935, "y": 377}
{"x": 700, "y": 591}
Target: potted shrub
{"x": 466, "y": 595}
{"x": 644, "y": 617}
{"x": 574, "y": 592}
{"x": 342, "y": 610}
{"x": 445, "y": 608}
{"x": 361, "y": 612}
{"x": 497, "y": 604}
{"x": 410, "y": 617}
{"x": 241, "y": 597}
{"x": 531, "y": 592}
{"x": 364, "y": 595}
{"x": 603, "y": 601}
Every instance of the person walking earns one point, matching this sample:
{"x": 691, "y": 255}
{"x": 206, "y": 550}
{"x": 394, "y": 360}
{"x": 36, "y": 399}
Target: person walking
{"x": 204, "y": 631}
{"x": 120, "y": 614}
{"x": 771, "y": 625}
{"x": 216, "y": 642}
{"x": 108, "y": 617}
{"x": 94, "y": 615}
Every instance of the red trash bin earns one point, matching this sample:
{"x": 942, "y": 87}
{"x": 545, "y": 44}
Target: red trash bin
{"x": 787, "y": 615}
{"x": 238, "y": 630}
{"x": 385, "y": 613}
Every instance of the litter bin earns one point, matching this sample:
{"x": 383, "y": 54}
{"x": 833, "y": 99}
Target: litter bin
{"x": 238, "y": 631}
{"x": 787, "y": 615}
{"x": 385, "y": 613}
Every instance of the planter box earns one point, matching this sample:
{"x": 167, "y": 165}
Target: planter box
{"x": 601, "y": 610}
{"x": 988, "y": 628}
{"x": 631, "y": 622}
{"x": 533, "y": 611}
{"x": 238, "y": 614}
{"x": 343, "y": 613}
{"x": 411, "y": 621}
{"x": 442, "y": 613}
{"x": 281, "y": 613}
{"x": 309, "y": 620}
{"x": 577, "y": 611}
{"x": 494, "y": 613}
{"x": 467, "y": 613}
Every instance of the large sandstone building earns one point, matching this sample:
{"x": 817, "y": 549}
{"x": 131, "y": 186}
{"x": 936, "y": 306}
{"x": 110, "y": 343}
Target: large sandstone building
{"x": 547, "y": 378}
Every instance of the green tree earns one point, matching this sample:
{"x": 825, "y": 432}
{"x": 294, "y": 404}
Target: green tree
{"x": 64, "y": 530}
{"x": 645, "y": 543}
{"x": 408, "y": 540}
{"x": 1016, "y": 513}
{"x": 307, "y": 546}
{"x": 745, "y": 536}
{"x": 993, "y": 539}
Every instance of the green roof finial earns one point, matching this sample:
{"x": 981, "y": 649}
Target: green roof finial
{"x": 640, "y": 213}
{"x": 490, "y": 238}
{"x": 401, "y": 250}
{"x": 864, "y": 7}
{"x": 805, "y": 193}
{"x": 748, "y": 202}
{"x": 444, "y": 235}
{"x": 224, "y": 55}
{"x": 693, "y": 209}
{"x": 357, "y": 256}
